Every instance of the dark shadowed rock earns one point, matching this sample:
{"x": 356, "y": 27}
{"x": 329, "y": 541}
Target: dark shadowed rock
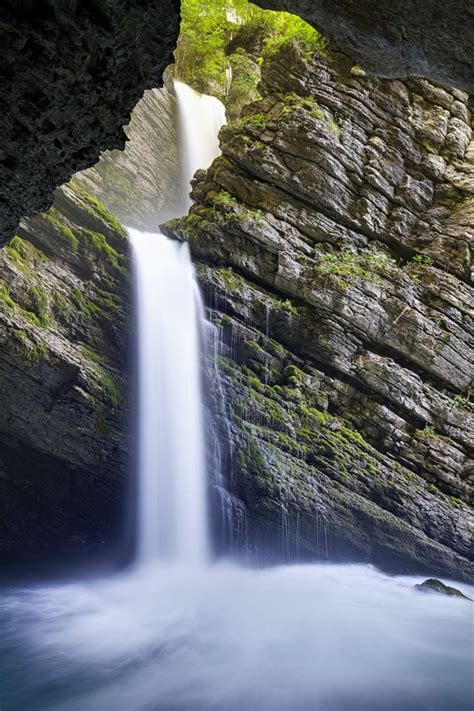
{"x": 435, "y": 585}
{"x": 70, "y": 75}
{"x": 64, "y": 318}
{"x": 397, "y": 38}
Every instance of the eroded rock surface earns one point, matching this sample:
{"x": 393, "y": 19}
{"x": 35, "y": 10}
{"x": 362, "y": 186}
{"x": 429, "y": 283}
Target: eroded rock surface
{"x": 139, "y": 183}
{"x": 64, "y": 325}
{"x": 397, "y": 38}
{"x": 333, "y": 246}
{"x": 70, "y": 75}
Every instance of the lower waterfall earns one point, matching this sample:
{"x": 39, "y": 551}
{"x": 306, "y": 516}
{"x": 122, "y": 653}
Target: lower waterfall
{"x": 171, "y": 463}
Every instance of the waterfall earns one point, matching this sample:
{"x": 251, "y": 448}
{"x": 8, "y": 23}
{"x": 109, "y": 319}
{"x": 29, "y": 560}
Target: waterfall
{"x": 172, "y": 516}
{"x": 199, "y": 119}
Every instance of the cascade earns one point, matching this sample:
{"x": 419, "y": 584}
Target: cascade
{"x": 172, "y": 518}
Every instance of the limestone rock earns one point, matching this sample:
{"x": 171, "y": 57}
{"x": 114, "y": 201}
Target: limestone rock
{"x": 432, "y": 39}
{"x": 333, "y": 246}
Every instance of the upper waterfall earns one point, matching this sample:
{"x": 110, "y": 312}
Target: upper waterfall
{"x": 199, "y": 119}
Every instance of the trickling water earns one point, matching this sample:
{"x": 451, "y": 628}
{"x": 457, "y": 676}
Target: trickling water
{"x": 172, "y": 519}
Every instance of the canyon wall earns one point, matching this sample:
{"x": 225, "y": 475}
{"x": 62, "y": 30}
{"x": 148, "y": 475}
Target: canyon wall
{"x": 64, "y": 344}
{"x": 332, "y": 245}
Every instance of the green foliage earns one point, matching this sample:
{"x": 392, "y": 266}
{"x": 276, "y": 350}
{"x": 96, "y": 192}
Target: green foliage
{"x": 422, "y": 259}
{"x": 208, "y": 27}
{"x": 426, "y": 433}
{"x": 293, "y": 102}
{"x": 462, "y": 401}
{"x": 95, "y": 207}
{"x": 232, "y": 209}
{"x": 7, "y": 301}
{"x": 32, "y": 351}
{"x": 110, "y": 386}
{"x": 347, "y": 266}
{"x": 57, "y": 220}
{"x": 101, "y": 246}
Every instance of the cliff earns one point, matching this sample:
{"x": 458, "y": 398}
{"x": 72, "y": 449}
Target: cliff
{"x": 64, "y": 324}
{"x": 332, "y": 245}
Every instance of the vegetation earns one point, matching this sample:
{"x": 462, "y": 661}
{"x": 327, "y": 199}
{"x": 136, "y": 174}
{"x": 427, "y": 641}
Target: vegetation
{"x": 213, "y": 33}
{"x": 346, "y": 267}
{"x": 232, "y": 209}
{"x": 58, "y": 221}
{"x": 422, "y": 259}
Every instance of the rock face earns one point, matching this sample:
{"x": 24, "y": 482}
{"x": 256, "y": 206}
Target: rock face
{"x": 138, "y": 183}
{"x": 399, "y": 38}
{"x": 436, "y": 586}
{"x": 64, "y": 324}
{"x": 332, "y": 245}
{"x": 70, "y": 75}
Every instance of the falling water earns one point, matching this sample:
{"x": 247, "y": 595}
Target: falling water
{"x": 199, "y": 119}
{"x": 172, "y": 520}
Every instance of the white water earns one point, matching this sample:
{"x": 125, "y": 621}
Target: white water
{"x": 199, "y": 119}
{"x": 172, "y": 516}
{"x": 172, "y": 476}
{"x": 300, "y": 638}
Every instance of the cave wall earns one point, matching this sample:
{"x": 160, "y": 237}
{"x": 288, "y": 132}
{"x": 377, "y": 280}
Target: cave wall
{"x": 397, "y": 38}
{"x": 332, "y": 241}
{"x": 64, "y": 392}
{"x": 70, "y": 75}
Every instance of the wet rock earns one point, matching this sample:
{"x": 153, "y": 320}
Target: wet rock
{"x": 64, "y": 325}
{"x": 435, "y": 585}
{"x": 331, "y": 240}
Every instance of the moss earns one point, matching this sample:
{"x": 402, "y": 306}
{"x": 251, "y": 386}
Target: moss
{"x": 293, "y": 102}
{"x": 98, "y": 209}
{"x": 285, "y": 306}
{"x": 422, "y": 259}
{"x": 109, "y": 385}
{"x": 58, "y": 221}
{"x": 40, "y": 301}
{"x": 32, "y": 351}
{"x": 101, "y": 246}
{"x": 433, "y": 489}
{"x": 427, "y": 433}
{"x": 9, "y": 303}
{"x": 24, "y": 255}
{"x": 255, "y": 123}
{"x": 346, "y": 267}
{"x": 457, "y": 503}
{"x": 230, "y": 209}
{"x": 232, "y": 281}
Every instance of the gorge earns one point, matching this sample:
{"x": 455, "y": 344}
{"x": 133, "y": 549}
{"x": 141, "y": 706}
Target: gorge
{"x": 219, "y": 452}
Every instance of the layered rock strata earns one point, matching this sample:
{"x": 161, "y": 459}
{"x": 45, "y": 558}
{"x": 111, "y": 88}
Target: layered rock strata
{"x": 332, "y": 241}
{"x": 64, "y": 324}
{"x": 397, "y": 38}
